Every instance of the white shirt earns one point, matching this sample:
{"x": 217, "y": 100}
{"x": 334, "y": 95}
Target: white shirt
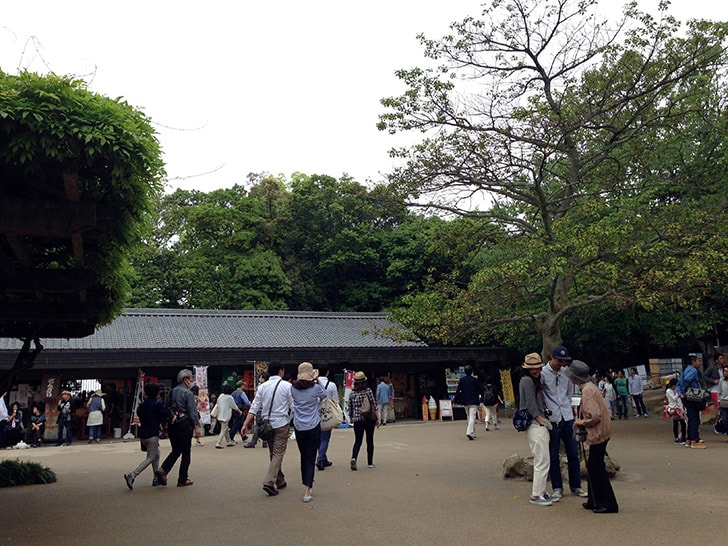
{"x": 282, "y": 403}
{"x": 225, "y": 407}
{"x": 3, "y": 410}
{"x": 331, "y": 390}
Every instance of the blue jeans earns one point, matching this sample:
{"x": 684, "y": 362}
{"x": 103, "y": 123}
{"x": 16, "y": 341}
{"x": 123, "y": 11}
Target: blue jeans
{"x": 564, "y": 432}
{"x": 622, "y": 406}
{"x": 693, "y": 413}
{"x": 94, "y": 431}
{"x": 69, "y": 433}
{"x": 324, "y": 446}
{"x": 308, "y": 442}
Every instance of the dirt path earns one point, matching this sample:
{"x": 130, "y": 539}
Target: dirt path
{"x": 430, "y": 485}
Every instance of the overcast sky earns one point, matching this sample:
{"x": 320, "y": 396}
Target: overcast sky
{"x": 273, "y": 86}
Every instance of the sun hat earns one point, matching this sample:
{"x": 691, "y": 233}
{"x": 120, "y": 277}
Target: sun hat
{"x": 578, "y": 371}
{"x": 306, "y": 372}
{"x": 99, "y": 393}
{"x": 359, "y": 376}
{"x": 66, "y": 392}
{"x": 532, "y": 361}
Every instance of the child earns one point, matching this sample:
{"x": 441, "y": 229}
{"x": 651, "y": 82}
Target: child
{"x": 37, "y": 426}
{"x": 675, "y": 411}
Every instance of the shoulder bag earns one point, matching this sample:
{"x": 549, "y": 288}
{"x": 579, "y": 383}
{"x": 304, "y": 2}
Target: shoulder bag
{"x": 265, "y": 429}
{"x": 368, "y": 411}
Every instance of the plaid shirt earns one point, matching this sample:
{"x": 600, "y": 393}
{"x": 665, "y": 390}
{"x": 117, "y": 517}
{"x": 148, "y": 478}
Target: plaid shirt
{"x": 355, "y": 400}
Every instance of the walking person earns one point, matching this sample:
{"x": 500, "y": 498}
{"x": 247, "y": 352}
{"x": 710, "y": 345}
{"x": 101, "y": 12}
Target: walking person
{"x": 307, "y": 392}
{"x": 332, "y": 392}
{"x": 558, "y": 392}
{"x": 226, "y": 406}
{"x": 594, "y": 417}
{"x": 65, "y": 407}
{"x": 95, "y": 420}
{"x": 468, "y": 394}
{"x": 152, "y": 414}
{"x": 530, "y": 397}
{"x": 363, "y": 426}
{"x": 184, "y": 423}
{"x": 634, "y": 385}
{"x": 273, "y": 401}
{"x": 491, "y": 398}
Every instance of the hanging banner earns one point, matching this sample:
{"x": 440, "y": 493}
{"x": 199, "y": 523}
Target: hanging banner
{"x": 229, "y": 377}
{"x": 138, "y": 399}
{"x": 203, "y": 398}
{"x": 50, "y": 387}
{"x": 507, "y": 386}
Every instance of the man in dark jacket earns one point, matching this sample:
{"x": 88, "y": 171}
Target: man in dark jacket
{"x": 468, "y": 394}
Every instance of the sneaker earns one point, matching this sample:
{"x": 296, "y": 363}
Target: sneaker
{"x": 487, "y": 429}
{"x": 161, "y": 476}
{"x": 579, "y": 492}
{"x": 497, "y": 427}
{"x": 307, "y": 498}
{"x": 129, "y": 479}
{"x": 540, "y": 501}
{"x": 470, "y": 437}
{"x": 218, "y": 446}
{"x": 352, "y": 464}
{"x": 557, "y": 493}
{"x": 698, "y": 445}
{"x": 552, "y": 498}
{"x": 677, "y": 441}
{"x": 320, "y": 465}
{"x": 370, "y": 466}
{"x": 272, "y": 491}
{"x": 155, "y": 481}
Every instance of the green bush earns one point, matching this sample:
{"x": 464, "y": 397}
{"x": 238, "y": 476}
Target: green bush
{"x": 16, "y": 472}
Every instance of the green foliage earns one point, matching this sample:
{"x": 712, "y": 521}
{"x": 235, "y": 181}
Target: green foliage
{"x": 16, "y": 472}
{"x": 597, "y": 154}
{"x": 52, "y": 128}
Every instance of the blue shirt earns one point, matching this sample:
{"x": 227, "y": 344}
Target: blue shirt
{"x": 305, "y": 406}
{"x": 241, "y": 399}
{"x": 384, "y": 393}
{"x": 557, "y": 392}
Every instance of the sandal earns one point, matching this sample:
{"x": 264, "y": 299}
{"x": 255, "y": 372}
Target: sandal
{"x": 185, "y": 483}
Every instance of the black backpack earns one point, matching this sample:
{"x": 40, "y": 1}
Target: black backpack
{"x": 489, "y": 397}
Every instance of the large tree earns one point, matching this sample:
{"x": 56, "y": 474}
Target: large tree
{"x": 598, "y": 149}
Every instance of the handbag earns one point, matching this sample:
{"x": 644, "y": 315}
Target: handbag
{"x": 265, "y": 429}
{"x": 723, "y": 404}
{"x": 330, "y": 413}
{"x": 697, "y": 396}
{"x": 214, "y": 412}
{"x": 522, "y": 419}
{"x": 367, "y": 410}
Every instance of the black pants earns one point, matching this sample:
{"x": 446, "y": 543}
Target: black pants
{"x": 601, "y": 494}
{"x": 360, "y": 428}
{"x": 678, "y": 423}
{"x": 180, "y": 437}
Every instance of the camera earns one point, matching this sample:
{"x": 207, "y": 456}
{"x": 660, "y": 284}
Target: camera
{"x": 548, "y": 412}
{"x": 580, "y": 433}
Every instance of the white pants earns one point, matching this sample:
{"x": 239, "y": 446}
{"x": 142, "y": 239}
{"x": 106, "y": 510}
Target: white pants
{"x": 223, "y": 438}
{"x": 471, "y": 412}
{"x": 538, "y": 442}
{"x": 491, "y": 416}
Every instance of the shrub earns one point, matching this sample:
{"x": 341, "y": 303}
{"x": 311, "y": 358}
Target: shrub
{"x": 16, "y": 472}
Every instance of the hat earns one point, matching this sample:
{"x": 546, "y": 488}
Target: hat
{"x": 99, "y": 393}
{"x": 66, "y": 392}
{"x": 532, "y": 361}
{"x": 240, "y": 383}
{"x": 561, "y": 353}
{"x": 359, "y": 376}
{"x": 578, "y": 371}
{"x": 306, "y": 372}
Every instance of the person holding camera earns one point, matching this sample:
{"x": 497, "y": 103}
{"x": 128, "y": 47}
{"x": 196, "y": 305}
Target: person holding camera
{"x": 597, "y": 426}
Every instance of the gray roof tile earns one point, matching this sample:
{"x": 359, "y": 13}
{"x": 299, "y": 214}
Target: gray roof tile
{"x": 182, "y": 328}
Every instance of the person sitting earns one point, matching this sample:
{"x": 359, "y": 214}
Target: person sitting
{"x": 37, "y": 426}
{"x": 14, "y": 426}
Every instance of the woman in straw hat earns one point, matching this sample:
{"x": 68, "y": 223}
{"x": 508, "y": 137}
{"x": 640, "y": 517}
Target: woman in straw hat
{"x": 307, "y": 392}
{"x": 531, "y": 398}
{"x": 362, "y": 424}
{"x": 96, "y": 407}
{"x": 64, "y": 419}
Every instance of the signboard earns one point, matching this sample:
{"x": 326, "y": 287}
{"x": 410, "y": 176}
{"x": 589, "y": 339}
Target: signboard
{"x": 446, "y": 409}
{"x": 507, "y": 386}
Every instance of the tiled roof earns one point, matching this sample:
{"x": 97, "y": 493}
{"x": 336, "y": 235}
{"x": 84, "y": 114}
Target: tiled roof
{"x": 181, "y": 328}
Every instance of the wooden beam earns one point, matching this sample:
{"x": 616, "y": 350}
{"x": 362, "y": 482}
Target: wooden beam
{"x": 45, "y": 218}
{"x": 42, "y": 312}
{"x": 54, "y": 281}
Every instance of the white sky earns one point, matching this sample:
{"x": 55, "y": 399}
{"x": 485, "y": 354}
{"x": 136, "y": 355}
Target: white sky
{"x": 273, "y": 86}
